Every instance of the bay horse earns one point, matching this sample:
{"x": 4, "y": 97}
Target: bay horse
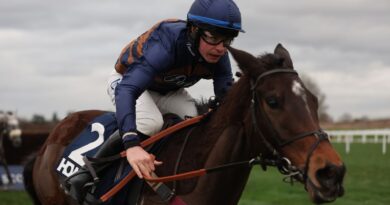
{"x": 267, "y": 112}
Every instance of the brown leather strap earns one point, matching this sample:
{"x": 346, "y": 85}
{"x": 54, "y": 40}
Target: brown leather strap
{"x": 162, "y": 190}
{"x": 145, "y": 143}
{"x": 185, "y": 175}
{"x": 172, "y": 129}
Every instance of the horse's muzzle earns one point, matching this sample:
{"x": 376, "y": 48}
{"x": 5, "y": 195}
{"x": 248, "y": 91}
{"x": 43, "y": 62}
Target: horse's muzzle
{"x": 330, "y": 184}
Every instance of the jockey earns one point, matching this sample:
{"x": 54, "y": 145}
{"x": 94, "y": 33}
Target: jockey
{"x": 152, "y": 72}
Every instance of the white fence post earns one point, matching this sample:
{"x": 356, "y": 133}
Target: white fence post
{"x": 362, "y": 136}
{"x": 347, "y": 143}
{"x": 364, "y": 139}
{"x": 384, "y": 144}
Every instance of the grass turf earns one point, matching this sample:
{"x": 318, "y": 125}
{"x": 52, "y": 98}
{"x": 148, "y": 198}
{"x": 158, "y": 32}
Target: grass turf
{"x": 367, "y": 182}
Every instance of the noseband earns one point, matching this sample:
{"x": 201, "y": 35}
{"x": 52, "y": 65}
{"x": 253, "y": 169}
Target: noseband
{"x": 282, "y": 163}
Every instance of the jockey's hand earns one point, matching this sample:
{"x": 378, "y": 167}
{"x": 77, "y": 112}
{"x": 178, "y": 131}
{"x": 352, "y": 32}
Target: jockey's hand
{"x": 141, "y": 161}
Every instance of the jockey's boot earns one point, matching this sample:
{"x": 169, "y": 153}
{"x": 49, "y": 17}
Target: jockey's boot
{"x": 80, "y": 183}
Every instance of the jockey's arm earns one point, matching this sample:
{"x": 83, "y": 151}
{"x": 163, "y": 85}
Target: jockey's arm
{"x": 156, "y": 58}
{"x": 133, "y": 83}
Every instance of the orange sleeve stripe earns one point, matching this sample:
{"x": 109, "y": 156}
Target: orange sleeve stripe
{"x": 119, "y": 67}
{"x": 144, "y": 37}
{"x": 130, "y": 59}
{"x": 139, "y": 43}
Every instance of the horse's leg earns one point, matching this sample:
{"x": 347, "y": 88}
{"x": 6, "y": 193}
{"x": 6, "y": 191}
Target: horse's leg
{"x": 45, "y": 180}
{"x": 7, "y": 172}
{"x": 4, "y": 160}
{"x": 28, "y": 180}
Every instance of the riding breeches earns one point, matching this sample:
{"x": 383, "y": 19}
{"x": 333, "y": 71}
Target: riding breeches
{"x": 150, "y": 106}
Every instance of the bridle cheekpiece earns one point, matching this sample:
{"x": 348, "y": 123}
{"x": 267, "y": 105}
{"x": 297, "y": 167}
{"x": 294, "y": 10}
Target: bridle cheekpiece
{"x": 282, "y": 163}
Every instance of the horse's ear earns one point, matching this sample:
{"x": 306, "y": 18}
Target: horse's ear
{"x": 246, "y": 61}
{"x": 282, "y": 53}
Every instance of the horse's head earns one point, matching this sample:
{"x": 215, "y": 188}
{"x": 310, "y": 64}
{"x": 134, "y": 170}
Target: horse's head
{"x": 9, "y": 126}
{"x": 284, "y": 118}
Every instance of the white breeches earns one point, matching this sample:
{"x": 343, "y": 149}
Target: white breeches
{"x": 150, "y": 106}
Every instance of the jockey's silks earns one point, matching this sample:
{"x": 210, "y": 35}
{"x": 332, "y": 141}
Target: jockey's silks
{"x": 163, "y": 59}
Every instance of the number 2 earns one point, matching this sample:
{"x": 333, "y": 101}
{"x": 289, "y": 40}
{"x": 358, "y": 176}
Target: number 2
{"x": 77, "y": 154}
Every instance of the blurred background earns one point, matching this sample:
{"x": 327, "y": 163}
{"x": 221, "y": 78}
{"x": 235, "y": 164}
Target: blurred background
{"x": 55, "y": 57}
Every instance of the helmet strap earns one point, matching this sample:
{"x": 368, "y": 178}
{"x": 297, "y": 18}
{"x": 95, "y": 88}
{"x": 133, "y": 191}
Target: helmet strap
{"x": 194, "y": 38}
{"x": 194, "y": 33}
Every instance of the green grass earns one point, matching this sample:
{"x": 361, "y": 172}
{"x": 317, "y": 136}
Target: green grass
{"x": 367, "y": 182}
{"x": 14, "y": 198}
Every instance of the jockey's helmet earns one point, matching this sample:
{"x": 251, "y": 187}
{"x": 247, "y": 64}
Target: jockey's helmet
{"x": 221, "y": 16}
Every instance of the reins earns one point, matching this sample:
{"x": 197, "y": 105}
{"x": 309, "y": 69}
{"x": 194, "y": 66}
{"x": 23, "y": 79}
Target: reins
{"x": 283, "y": 164}
{"x": 201, "y": 172}
{"x": 144, "y": 144}
{"x": 280, "y": 163}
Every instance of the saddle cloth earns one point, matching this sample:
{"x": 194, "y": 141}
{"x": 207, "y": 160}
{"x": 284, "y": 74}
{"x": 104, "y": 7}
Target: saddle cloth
{"x": 87, "y": 143}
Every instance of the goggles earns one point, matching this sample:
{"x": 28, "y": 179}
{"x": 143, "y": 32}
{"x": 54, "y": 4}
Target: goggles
{"x": 215, "y": 39}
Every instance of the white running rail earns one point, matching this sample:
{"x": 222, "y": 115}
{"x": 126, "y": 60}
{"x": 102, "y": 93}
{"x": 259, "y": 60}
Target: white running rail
{"x": 360, "y": 136}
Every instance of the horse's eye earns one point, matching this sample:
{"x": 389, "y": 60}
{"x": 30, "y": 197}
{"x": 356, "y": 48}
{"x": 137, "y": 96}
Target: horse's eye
{"x": 272, "y": 102}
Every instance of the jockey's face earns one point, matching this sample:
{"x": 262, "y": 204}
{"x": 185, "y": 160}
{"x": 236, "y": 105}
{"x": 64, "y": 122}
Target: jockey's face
{"x": 213, "y": 47}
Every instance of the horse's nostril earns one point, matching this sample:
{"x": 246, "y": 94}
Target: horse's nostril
{"x": 330, "y": 175}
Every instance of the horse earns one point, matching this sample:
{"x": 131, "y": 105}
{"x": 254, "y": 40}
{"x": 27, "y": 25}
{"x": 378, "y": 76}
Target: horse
{"x": 9, "y": 131}
{"x": 268, "y": 112}
{"x": 9, "y": 126}
{"x": 31, "y": 142}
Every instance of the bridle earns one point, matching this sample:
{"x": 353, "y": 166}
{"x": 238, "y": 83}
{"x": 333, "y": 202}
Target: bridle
{"x": 282, "y": 163}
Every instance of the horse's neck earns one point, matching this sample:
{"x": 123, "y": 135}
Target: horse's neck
{"x": 225, "y": 186}
{"x": 232, "y": 145}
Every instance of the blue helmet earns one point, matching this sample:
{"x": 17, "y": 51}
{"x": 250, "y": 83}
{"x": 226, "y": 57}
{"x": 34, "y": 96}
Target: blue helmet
{"x": 222, "y": 14}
